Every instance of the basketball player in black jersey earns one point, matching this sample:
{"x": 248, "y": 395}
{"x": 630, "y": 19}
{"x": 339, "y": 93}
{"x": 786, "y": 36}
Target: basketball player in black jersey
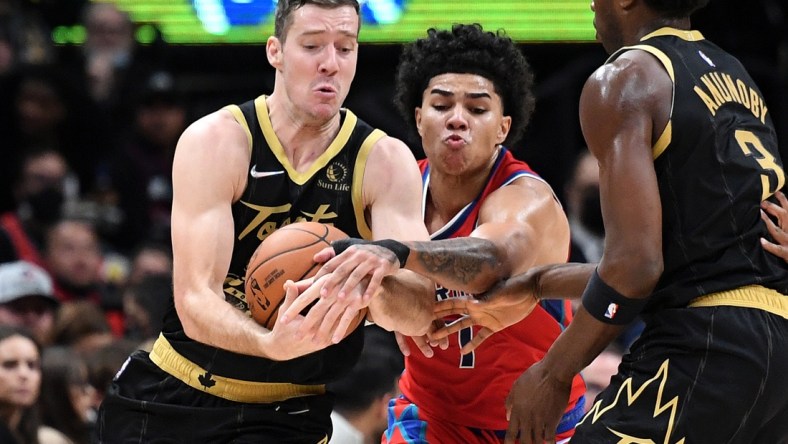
{"x": 687, "y": 152}
{"x": 214, "y": 375}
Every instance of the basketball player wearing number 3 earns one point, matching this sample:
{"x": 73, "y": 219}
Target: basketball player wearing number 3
{"x": 468, "y": 94}
{"x": 215, "y": 375}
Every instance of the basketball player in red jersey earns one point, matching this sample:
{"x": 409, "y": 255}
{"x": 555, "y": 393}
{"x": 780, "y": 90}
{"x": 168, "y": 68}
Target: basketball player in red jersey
{"x": 467, "y": 93}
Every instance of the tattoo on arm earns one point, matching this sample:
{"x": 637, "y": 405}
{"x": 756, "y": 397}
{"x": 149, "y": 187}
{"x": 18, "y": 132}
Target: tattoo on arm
{"x": 462, "y": 260}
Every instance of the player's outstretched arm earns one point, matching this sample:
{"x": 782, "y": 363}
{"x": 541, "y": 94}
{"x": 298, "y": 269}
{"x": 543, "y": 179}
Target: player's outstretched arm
{"x": 511, "y": 300}
{"x": 520, "y": 226}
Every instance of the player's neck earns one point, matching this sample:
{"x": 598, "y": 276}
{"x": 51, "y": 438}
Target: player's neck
{"x": 654, "y": 23}
{"x": 447, "y": 195}
{"x": 303, "y": 139}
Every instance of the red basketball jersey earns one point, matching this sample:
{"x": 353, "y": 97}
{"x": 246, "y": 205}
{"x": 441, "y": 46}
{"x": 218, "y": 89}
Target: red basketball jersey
{"x": 471, "y": 389}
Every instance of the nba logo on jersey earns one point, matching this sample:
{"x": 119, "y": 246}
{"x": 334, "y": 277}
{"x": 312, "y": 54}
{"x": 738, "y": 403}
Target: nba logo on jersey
{"x": 610, "y": 313}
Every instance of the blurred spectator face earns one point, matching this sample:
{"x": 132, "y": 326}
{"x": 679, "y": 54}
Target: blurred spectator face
{"x": 26, "y": 299}
{"x": 41, "y": 186}
{"x": 82, "y": 395}
{"x": 108, "y": 29}
{"x": 82, "y": 326}
{"x": 161, "y": 122}
{"x": 33, "y": 313}
{"x": 149, "y": 262}
{"x": 39, "y": 107}
{"x": 20, "y": 372}
{"x": 7, "y": 56}
{"x": 73, "y": 254}
{"x": 583, "y": 195}
{"x": 41, "y": 172}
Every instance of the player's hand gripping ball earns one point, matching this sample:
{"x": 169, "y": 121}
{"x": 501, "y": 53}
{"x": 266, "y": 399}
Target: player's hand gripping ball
{"x": 286, "y": 254}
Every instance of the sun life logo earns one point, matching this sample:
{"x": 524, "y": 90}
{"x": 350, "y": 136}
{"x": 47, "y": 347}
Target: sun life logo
{"x": 336, "y": 172}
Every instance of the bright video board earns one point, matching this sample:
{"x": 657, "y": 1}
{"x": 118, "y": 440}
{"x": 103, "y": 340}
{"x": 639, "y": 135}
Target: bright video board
{"x": 384, "y": 21}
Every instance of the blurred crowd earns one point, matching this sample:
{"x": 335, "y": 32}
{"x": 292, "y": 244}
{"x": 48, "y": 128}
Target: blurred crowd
{"x": 85, "y": 194}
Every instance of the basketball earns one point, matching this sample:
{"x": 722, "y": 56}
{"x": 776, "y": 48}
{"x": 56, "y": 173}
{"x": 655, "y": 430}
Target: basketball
{"x": 286, "y": 254}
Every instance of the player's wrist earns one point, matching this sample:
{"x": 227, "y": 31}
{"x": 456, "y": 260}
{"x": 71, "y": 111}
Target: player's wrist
{"x": 400, "y": 250}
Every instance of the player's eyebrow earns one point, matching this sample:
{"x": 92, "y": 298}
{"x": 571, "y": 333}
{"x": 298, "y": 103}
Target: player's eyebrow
{"x": 472, "y": 95}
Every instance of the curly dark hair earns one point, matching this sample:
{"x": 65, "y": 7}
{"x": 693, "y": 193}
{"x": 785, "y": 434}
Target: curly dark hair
{"x": 676, "y": 8}
{"x": 467, "y": 49}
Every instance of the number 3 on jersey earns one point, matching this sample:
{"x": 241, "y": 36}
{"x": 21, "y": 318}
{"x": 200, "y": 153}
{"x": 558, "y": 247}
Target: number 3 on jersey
{"x": 749, "y": 141}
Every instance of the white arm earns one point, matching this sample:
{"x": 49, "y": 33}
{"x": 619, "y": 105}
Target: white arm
{"x": 392, "y": 191}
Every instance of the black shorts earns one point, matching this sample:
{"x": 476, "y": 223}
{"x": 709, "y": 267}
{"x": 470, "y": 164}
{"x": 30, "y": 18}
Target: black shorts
{"x": 695, "y": 376}
{"x": 147, "y": 405}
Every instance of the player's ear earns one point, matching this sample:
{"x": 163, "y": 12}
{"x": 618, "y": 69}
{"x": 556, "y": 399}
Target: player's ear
{"x": 503, "y": 129}
{"x": 273, "y": 50}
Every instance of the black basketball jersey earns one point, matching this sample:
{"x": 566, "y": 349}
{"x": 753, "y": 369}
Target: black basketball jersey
{"x": 715, "y": 162}
{"x": 276, "y": 195}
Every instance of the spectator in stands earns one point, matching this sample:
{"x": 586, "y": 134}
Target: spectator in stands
{"x": 67, "y": 398}
{"x": 144, "y": 305}
{"x": 140, "y": 172}
{"x": 39, "y": 193}
{"x": 584, "y": 210}
{"x": 108, "y": 50}
{"x": 27, "y": 299}
{"x": 30, "y": 35}
{"x": 150, "y": 258}
{"x": 46, "y": 115}
{"x": 104, "y": 362}
{"x": 20, "y": 385}
{"x": 105, "y": 71}
{"x": 362, "y": 396}
{"x": 82, "y": 326}
{"x": 74, "y": 258}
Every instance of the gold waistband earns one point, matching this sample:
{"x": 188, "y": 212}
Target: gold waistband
{"x": 751, "y": 296}
{"x": 191, "y": 374}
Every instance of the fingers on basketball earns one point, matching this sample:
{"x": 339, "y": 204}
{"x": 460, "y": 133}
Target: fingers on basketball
{"x": 286, "y": 254}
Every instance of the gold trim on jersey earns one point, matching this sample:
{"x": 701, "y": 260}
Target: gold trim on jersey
{"x": 664, "y": 139}
{"x": 688, "y": 35}
{"x": 336, "y": 145}
{"x": 751, "y": 296}
{"x": 628, "y": 394}
{"x": 191, "y": 374}
{"x": 358, "y": 180}
{"x": 661, "y": 56}
{"x": 235, "y": 110}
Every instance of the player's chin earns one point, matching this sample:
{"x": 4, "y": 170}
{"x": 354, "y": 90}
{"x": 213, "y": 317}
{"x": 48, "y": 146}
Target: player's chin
{"x": 325, "y": 110}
